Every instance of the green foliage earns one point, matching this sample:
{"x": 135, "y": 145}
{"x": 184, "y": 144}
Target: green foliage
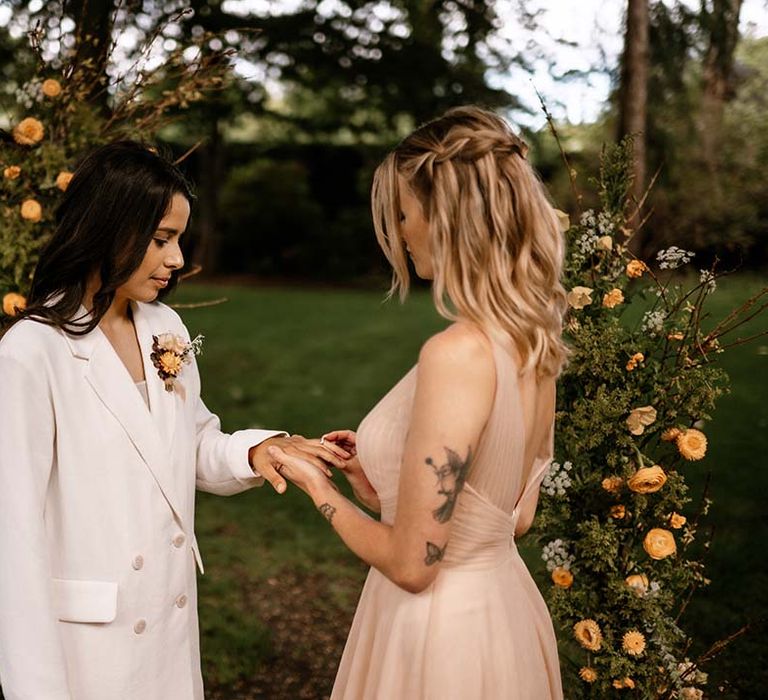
{"x": 629, "y": 403}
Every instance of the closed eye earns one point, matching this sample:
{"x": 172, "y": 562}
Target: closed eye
{"x": 160, "y": 242}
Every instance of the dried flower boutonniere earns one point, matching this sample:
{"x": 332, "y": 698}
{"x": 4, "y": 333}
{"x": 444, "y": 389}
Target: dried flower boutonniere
{"x": 169, "y": 355}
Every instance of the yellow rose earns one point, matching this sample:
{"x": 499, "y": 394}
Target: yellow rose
{"x": 588, "y": 674}
{"x": 659, "y": 543}
{"x": 670, "y": 434}
{"x": 692, "y": 444}
{"x": 579, "y": 297}
{"x": 636, "y": 268}
{"x": 647, "y": 479}
{"x": 638, "y": 583}
{"x": 635, "y": 360}
{"x": 171, "y": 363}
{"x": 13, "y": 303}
{"x": 613, "y": 298}
{"x": 612, "y": 484}
{"x": 562, "y": 577}
{"x": 11, "y": 172}
{"x": 624, "y": 683}
{"x": 63, "y": 179}
{"x": 588, "y": 634}
{"x": 676, "y": 520}
{"x": 639, "y": 418}
{"x": 28, "y": 132}
{"x": 633, "y": 643}
{"x": 618, "y": 512}
{"x": 51, "y": 88}
{"x": 605, "y": 243}
{"x": 31, "y": 210}
{"x": 563, "y": 220}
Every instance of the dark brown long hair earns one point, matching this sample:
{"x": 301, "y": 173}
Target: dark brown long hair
{"x": 104, "y": 224}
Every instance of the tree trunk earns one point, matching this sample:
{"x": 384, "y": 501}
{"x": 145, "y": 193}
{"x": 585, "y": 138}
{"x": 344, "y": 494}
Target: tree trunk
{"x": 722, "y": 24}
{"x": 93, "y": 36}
{"x": 210, "y": 178}
{"x": 633, "y": 96}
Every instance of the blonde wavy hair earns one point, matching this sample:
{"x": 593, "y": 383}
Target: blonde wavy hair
{"x": 495, "y": 240}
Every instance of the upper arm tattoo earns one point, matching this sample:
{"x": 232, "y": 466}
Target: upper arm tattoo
{"x": 450, "y": 478}
{"x": 434, "y": 553}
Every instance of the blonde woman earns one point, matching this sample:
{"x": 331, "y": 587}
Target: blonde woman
{"x": 454, "y": 454}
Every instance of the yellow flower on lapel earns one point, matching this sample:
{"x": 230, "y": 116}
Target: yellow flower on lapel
{"x": 170, "y": 353}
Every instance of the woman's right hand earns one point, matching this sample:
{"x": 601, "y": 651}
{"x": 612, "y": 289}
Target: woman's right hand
{"x": 353, "y": 470}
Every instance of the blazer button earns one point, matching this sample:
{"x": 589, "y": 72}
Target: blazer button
{"x": 138, "y": 562}
{"x": 179, "y": 540}
{"x": 140, "y": 626}
{"x": 181, "y": 601}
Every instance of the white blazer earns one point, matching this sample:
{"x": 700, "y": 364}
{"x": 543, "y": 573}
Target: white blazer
{"x": 97, "y": 506}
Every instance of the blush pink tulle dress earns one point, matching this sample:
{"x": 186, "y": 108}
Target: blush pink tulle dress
{"x": 481, "y": 631}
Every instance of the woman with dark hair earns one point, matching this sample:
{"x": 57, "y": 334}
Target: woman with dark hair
{"x": 103, "y": 440}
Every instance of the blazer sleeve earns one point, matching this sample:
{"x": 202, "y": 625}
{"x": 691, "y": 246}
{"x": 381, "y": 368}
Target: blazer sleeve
{"x": 32, "y": 662}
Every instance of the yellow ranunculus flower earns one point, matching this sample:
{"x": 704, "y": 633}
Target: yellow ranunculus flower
{"x": 633, "y": 643}
{"x": 676, "y": 520}
{"x": 612, "y": 484}
{"x": 618, "y": 512}
{"x": 692, "y": 444}
{"x": 588, "y": 674}
{"x": 670, "y": 434}
{"x": 638, "y": 583}
{"x": 659, "y": 543}
{"x": 579, "y": 297}
{"x": 11, "y": 172}
{"x": 636, "y": 268}
{"x": 625, "y": 682}
{"x": 639, "y": 418}
{"x": 31, "y": 210}
{"x": 613, "y": 298}
{"x": 13, "y": 303}
{"x": 51, "y": 88}
{"x": 562, "y": 577}
{"x": 647, "y": 479}
{"x": 63, "y": 179}
{"x": 588, "y": 634}
{"x": 28, "y": 132}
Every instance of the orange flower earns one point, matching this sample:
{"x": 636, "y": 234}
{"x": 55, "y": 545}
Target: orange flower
{"x": 692, "y": 444}
{"x": 638, "y": 583}
{"x": 659, "y": 543}
{"x": 11, "y": 172}
{"x": 636, "y": 268}
{"x": 635, "y": 360}
{"x": 618, "y": 512}
{"x": 670, "y": 434}
{"x": 13, "y": 303}
{"x": 579, "y": 297}
{"x": 51, "y": 88}
{"x": 562, "y": 577}
{"x": 625, "y": 682}
{"x": 613, "y": 298}
{"x": 588, "y": 674}
{"x": 63, "y": 179}
{"x": 633, "y": 643}
{"x": 639, "y": 418}
{"x": 588, "y": 634}
{"x": 171, "y": 363}
{"x": 647, "y": 479}
{"x": 675, "y": 335}
{"x": 613, "y": 484}
{"x": 676, "y": 520}
{"x": 31, "y": 210}
{"x": 28, "y": 132}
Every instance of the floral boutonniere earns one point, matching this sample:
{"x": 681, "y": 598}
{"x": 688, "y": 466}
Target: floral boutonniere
{"x": 169, "y": 355}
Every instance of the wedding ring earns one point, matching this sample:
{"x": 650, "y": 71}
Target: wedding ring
{"x": 322, "y": 440}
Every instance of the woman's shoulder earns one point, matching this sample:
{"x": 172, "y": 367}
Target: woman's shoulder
{"x": 462, "y": 347}
{"x": 162, "y": 318}
{"x": 29, "y": 339}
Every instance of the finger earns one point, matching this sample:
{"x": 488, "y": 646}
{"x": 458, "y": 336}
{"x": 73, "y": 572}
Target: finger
{"x": 308, "y": 455}
{"x": 324, "y": 454}
{"x": 347, "y": 436}
{"x": 271, "y": 474}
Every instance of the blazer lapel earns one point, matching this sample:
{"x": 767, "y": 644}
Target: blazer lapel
{"x": 111, "y": 381}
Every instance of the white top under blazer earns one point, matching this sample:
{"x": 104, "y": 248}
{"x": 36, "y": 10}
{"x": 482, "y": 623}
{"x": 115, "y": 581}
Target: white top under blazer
{"x": 97, "y": 506}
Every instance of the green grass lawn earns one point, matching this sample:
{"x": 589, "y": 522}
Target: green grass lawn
{"x": 280, "y": 589}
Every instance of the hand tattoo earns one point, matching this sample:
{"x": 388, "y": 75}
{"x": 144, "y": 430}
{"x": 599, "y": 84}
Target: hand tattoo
{"x": 328, "y": 511}
{"x": 434, "y": 553}
{"x": 450, "y": 477}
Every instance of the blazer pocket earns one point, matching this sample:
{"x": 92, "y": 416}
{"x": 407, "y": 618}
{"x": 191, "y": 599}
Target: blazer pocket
{"x": 84, "y": 601}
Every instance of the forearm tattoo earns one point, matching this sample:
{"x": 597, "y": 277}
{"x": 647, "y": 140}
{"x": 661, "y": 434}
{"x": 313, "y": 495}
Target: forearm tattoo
{"x": 434, "y": 553}
{"x": 450, "y": 478}
{"x": 328, "y": 511}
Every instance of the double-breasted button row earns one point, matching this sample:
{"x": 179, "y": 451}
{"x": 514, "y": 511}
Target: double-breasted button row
{"x": 140, "y": 626}
{"x": 138, "y": 562}
{"x": 178, "y": 540}
{"x": 181, "y": 601}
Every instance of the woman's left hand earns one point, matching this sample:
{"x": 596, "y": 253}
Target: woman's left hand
{"x": 301, "y": 472}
